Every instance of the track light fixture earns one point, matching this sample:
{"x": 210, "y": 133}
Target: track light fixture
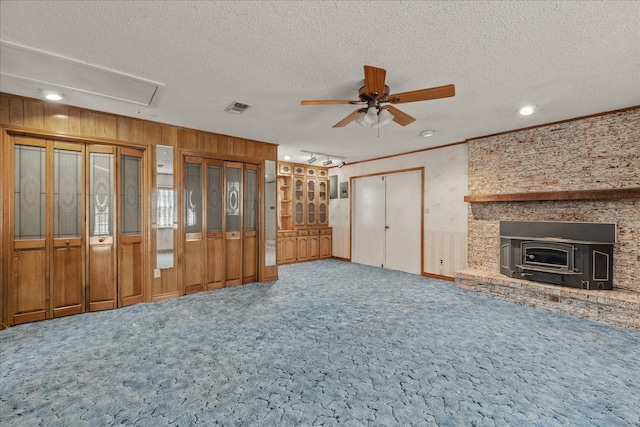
{"x": 327, "y": 162}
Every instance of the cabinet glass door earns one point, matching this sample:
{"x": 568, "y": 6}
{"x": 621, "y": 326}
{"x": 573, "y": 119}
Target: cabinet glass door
{"x": 322, "y": 202}
{"x": 299, "y": 202}
{"x": 311, "y": 202}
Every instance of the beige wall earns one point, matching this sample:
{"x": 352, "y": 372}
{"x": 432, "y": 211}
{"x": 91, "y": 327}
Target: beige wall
{"x": 594, "y": 153}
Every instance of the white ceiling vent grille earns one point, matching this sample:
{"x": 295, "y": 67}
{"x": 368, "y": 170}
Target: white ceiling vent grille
{"x": 237, "y": 107}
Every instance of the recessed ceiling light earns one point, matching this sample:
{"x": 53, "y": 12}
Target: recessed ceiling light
{"x": 287, "y": 157}
{"x": 51, "y": 95}
{"x": 427, "y": 133}
{"x": 527, "y": 110}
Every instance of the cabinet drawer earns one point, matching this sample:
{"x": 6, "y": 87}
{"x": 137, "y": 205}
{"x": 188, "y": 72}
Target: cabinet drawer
{"x": 325, "y": 231}
{"x": 283, "y": 234}
{"x": 314, "y": 232}
{"x": 303, "y": 232}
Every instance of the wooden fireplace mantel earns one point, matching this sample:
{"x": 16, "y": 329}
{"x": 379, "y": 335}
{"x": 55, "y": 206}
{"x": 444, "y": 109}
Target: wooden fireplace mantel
{"x": 604, "y": 194}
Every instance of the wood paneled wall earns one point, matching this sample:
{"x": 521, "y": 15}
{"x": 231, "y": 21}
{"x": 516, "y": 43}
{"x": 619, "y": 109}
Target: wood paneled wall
{"x": 62, "y": 120}
{"x": 59, "y": 121}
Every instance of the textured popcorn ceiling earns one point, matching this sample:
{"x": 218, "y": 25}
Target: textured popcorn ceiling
{"x": 568, "y": 58}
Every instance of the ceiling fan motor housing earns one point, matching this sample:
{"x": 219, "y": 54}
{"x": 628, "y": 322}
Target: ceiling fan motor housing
{"x": 366, "y": 97}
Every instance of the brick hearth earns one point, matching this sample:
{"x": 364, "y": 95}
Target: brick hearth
{"x": 620, "y": 308}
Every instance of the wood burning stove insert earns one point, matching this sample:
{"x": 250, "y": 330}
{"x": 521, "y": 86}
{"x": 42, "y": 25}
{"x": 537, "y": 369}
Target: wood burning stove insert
{"x": 574, "y": 254}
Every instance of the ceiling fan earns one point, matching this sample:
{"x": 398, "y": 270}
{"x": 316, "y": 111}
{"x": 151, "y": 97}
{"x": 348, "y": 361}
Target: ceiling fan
{"x": 374, "y": 93}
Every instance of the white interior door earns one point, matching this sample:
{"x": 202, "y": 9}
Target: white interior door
{"x": 387, "y": 215}
{"x": 403, "y": 220}
{"x": 368, "y": 221}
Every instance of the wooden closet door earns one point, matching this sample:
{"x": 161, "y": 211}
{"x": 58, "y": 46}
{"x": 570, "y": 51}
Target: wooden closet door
{"x": 102, "y": 284}
{"x": 29, "y": 293}
{"x": 130, "y": 261}
{"x": 215, "y": 261}
{"x": 250, "y": 229}
{"x": 233, "y": 223}
{"x": 67, "y": 206}
{"x": 194, "y": 255}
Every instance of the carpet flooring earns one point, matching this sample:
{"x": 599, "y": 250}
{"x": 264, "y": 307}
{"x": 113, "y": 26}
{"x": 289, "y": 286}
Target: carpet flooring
{"x": 330, "y": 343}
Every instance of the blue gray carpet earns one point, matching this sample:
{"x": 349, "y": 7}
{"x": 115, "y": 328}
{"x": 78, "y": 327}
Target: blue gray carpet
{"x": 329, "y": 343}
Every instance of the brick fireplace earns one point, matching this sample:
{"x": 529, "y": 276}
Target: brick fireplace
{"x": 583, "y": 170}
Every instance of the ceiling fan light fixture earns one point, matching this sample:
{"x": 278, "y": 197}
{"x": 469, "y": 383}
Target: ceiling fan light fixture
{"x": 361, "y": 120}
{"x": 372, "y": 115}
{"x": 385, "y": 117}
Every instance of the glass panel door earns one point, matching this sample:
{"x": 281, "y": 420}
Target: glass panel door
{"x": 29, "y": 292}
{"x": 194, "y": 259}
{"x": 193, "y": 197}
{"x": 30, "y": 192}
{"x": 101, "y": 262}
{"x": 215, "y": 236}
{"x": 130, "y": 263}
{"x": 250, "y": 235}
{"x": 131, "y": 195}
{"x": 233, "y": 223}
{"x": 67, "y": 275}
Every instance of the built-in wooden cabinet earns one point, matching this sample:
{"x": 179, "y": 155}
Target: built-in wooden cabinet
{"x": 304, "y": 245}
{"x": 313, "y": 244}
{"x": 325, "y": 243}
{"x": 287, "y": 247}
{"x": 303, "y": 213}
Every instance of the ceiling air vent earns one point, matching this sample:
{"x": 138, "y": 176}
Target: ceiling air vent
{"x": 237, "y": 107}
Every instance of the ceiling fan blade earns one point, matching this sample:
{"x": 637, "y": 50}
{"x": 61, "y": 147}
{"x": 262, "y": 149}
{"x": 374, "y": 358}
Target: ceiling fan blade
{"x": 399, "y": 117}
{"x": 422, "y": 94}
{"x": 329, "y": 102}
{"x": 351, "y": 117}
{"x": 374, "y": 80}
